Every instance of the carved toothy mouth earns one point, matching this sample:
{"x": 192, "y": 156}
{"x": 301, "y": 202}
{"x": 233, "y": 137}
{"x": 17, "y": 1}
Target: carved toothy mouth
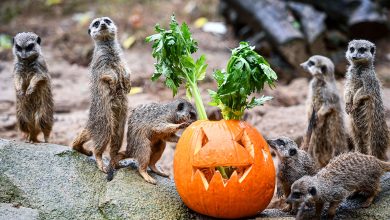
{"x": 237, "y": 156}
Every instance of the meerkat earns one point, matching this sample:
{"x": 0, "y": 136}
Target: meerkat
{"x": 364, "y": 103}
{"x": 110, "y": 84}
{"x": 150, "y": 126}
{"x": 34, "y": 99}
{"x": 326, "y": 135}
{"x": 294, "y": 163}
{"x": 344, "y": 175}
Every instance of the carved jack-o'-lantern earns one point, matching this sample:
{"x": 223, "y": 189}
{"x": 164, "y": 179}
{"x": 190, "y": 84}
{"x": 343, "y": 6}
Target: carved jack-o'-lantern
{"x": 205, "y": 145}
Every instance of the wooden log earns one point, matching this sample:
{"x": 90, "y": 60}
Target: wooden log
{"x": 273, "y": 17}
{"x": 312, "y": 24}
{"x": 363, "y": 18}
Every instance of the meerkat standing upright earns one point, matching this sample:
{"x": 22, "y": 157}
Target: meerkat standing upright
{"x": 326, "y": 135}
{"x": 110, "y": 83}
{"x": 364, "y": 101}
{"x": 34, "y": 100}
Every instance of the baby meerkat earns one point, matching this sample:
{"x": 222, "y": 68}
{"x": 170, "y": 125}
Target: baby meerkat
{"x": 34, "y": 100}
{"x": 149, "y": 128}
{"x": 326, "y": 135}
{"x": 364, "y": 101}
{"x": 344, "y": 175}
{"x": 110, "y": 83}
{"x": 293, "y": 164}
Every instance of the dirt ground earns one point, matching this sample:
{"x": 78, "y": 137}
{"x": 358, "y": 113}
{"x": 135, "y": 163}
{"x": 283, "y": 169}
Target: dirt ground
{"x": 66, "y": 46}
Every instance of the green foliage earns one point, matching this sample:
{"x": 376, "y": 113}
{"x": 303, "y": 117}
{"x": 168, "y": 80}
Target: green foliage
{"x": 172, "y": 50}
{"x": 5, "y": 42}
{"x": 247, "y": 72}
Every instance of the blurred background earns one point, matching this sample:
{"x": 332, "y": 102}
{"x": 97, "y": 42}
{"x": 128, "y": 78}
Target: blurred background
{"x": 286, "y": 32}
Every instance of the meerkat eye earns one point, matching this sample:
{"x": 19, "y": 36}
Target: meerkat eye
{"x": 292, "y": 152}
{"x": 96, "y": 24}
{"x": 362, "y": 50}
{"x": 193, "y": 115}
{"x": 310, "y": 63}
{"x": 29, "y": 47}
{"x": 296, "y": 195}
{"x": 107, "y": 21}
{"x": 351, "y": 49}
{"x": 18, "y": 48}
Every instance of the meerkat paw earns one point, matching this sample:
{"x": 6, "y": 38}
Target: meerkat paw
{"x": 101, "y": 166}
{"x": 29, "y": 91}
{"x": 287, "y": 208}
{"x": 158, "y": 171}
{"x": 368, "y": 202}
{"x": 147, "y": 178}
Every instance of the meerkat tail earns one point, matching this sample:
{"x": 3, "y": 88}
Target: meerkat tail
{"x": 310, "y": 127}
{"x": 110, "y": 173}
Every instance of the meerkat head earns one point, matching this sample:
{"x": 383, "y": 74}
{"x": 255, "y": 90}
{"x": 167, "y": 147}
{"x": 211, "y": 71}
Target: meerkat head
{"x": 26, "y": 46}
{"x": 303, "y": 190}
{"x": 319, "y": 66}
{"x": 102, "y": 29}
{"x": 185, "y": 111}
{"x": 360, "y": 52}
{"x": 285, "y": 147}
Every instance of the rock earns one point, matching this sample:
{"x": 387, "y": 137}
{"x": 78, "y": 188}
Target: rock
{"x": 9, "y": 211}
{"x": 61, "y": 184}
{"x": 48, "y": 181}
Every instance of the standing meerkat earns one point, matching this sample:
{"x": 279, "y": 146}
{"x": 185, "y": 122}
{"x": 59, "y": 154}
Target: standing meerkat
{"x": 149, "y": 128}
{"x": 110, "y": 83}
{"x": 363, "y": 99}
{"x": 293, "y": 164}
{"x": 34, "y": 100}
{"x": 326, "y": 135}
{"x": 344, "y": 175}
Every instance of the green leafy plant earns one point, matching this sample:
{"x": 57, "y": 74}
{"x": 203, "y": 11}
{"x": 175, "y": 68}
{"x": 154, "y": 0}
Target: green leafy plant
{"x": 172, "y": 49}
{"x": 246, "y": 72}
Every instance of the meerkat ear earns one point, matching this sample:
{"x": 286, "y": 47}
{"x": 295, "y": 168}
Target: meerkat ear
{"x": 313, "y": 191}
{"x": 323, "y": 69}
{"x": 89, "y": 31}
{"x": 372, "y": 50}
{"x": 39, "y": 40}
{"x": 292, "y": 152}
{"x": 180, "y": 106}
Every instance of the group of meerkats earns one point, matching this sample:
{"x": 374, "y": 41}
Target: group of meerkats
{"x": 326, "y": 169}
{"x": 151, "y": 126}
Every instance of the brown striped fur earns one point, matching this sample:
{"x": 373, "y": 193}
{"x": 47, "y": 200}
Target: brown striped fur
{"x": 150, "y": 126}
{"x": 344, "y": 175}
{"x": 34, "y": 100}
{"x": 326, "y": 135}
{"x": 110, "y": 83}
{"x": 363, "y": 97}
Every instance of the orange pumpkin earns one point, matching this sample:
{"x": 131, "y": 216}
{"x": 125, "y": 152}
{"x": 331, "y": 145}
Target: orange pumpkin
{"x": 205, "y": 145}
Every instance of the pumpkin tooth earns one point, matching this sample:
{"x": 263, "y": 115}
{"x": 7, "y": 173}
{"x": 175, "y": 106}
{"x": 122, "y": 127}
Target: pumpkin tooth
{"x": 246, "y": 172}
{"x": 199, "y": 177}
{"x": 216, "y": 180}
{"x": 233, "y": 178}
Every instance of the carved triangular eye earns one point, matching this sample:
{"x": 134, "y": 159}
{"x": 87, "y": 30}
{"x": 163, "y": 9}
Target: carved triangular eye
{"x": 245, "y": 142}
